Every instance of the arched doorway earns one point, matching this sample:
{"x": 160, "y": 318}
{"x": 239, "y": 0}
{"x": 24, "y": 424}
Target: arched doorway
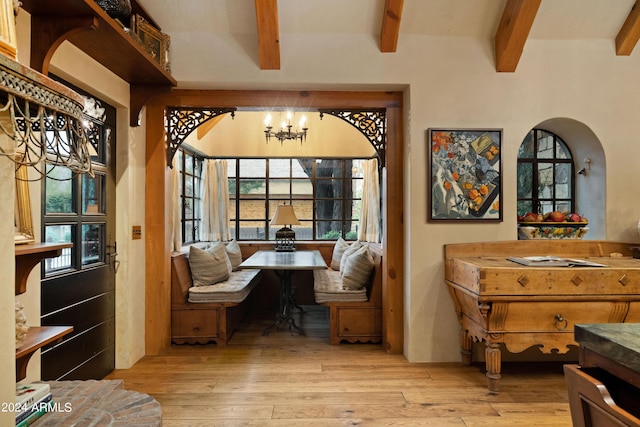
{"x": 158, "y": 300}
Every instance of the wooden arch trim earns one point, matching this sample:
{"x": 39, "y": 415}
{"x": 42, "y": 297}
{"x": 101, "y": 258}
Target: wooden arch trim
{"x": 157, "y": 213}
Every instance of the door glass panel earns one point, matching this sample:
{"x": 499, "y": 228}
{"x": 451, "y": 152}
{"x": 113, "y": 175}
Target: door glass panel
{"x": 92, "y": 243}
{"x": 58, "y": 189}
{"x": 93, "y": 193}
{"x": 59, "y": 234}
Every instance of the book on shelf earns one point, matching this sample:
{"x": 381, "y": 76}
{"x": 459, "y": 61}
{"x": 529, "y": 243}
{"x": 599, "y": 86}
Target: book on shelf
{"x": 27, "y": 394}
{"x": 40, "y": 407}
{"x": 553, "y": 261}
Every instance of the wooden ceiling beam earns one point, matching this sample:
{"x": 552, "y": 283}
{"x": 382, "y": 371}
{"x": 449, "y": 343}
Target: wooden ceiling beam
{"x": 390, "y": 25}
{"x": 629, "y": 34}
{"x": 268, "y": 34}
{"x": 516, "y": 22}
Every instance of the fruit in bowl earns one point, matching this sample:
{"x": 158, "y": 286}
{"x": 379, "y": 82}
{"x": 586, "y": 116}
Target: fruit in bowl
{"x": 532, "y": 217}
{"x": 556, "y": 216}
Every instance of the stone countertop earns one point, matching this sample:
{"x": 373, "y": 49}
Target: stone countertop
{"x": 617, "y": 341}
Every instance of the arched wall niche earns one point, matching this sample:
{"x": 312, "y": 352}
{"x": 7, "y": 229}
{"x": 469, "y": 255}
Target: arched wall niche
{"x": 591, "y": 187}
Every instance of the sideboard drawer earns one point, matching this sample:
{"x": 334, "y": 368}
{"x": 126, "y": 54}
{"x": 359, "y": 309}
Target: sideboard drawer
{"x": 555, "y": 316}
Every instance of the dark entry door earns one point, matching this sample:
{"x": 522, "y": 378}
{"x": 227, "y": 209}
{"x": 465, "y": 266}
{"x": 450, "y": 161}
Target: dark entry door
{"x": 78, "y": 287}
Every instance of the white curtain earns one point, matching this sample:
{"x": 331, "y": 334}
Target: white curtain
{"x": 215, "y": 201}
{"x": 369, "y": 229}
{"x": 176, "y": 211}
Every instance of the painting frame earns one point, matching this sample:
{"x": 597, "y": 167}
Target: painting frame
{"x": 465, "y": 174}
{"x": 152, "y": 40}
{"x": 23, "y": 219}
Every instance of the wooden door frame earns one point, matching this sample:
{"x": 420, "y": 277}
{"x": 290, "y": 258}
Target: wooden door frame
{"x": 158, "y": 232}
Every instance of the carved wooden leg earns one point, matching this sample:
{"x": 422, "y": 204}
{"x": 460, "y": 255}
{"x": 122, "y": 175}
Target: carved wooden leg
{"x": 467, "y": 347}
{"x": 493, "y": 358}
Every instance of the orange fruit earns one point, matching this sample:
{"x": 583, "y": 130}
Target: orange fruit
{"x": 447, "y": 185}
{"x": 455, "y": 176}
{"x": 484, "y": 190}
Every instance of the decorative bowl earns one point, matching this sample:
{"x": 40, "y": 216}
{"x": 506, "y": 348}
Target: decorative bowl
{"x": 552, "y": 230}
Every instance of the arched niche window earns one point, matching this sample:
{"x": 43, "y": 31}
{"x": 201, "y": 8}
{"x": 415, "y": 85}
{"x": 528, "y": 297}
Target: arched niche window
{"x": 545, "y": 174}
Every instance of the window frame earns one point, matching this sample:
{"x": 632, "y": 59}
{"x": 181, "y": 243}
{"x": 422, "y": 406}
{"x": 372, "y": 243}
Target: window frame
{"x": 195, "y": 198}
{"x": 268, "y": 231}
{"x": 537, "y": 203}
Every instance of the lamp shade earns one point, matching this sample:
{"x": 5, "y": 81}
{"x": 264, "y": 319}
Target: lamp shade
{"x": 284, "y": 216}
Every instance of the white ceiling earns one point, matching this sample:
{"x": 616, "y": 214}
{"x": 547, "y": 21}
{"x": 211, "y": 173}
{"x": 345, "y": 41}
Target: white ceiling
{"x": 556, "y": 19}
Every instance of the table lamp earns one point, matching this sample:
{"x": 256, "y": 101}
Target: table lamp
{"x": 285, "y": 237}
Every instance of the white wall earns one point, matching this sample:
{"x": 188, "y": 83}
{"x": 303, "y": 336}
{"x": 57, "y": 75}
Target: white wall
{"x": 452, "y": 82}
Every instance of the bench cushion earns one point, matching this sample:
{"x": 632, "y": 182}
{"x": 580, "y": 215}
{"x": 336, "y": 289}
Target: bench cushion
{"x": 328, "y": 287}
{"x": 235, "y": 289}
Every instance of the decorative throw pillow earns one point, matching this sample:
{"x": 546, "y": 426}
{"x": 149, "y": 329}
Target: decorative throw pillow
{"x": 348, "y": 252}
{"x": 357, "y": 269}
{"x": 234, "y": 254}
{"x": 209, "y": 266}
{"x": 338, "y": 250}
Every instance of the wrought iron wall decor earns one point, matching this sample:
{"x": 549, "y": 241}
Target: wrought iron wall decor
{"x": 371, "y": 123}
{"x": 181, "y": 122}
{"x": 43, "y": 121}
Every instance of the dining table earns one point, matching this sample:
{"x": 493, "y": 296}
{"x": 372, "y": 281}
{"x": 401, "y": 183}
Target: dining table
{"x": 284, "y": 264}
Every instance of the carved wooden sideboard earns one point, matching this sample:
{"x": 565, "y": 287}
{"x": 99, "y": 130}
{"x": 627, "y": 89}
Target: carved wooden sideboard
{"x": 501, "y": 302}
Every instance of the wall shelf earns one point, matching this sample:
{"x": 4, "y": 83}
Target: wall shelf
{"x": 37, "y": 337}
{"x": 84, "y": 24}
{"x": 28, "y": 256}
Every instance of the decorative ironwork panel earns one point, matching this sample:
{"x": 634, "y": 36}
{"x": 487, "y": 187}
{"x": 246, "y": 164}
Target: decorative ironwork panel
{"x": 44, "y": 122}
{"x": 371, "y": 123}
{"x": 181, "y": 122}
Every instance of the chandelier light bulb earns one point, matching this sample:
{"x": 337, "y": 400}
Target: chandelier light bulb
{"x": 303, "y": 121}
{"x": 267, "y": 120}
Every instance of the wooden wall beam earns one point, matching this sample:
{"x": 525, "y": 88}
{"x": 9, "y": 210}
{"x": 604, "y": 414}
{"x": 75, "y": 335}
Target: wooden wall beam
{"x": 157, "y": 237}
{"x": 268, "y": 34}
{"x": 390, "y": 25}
{"x": 516, "y": 22}
{"x": 629, "y": 34}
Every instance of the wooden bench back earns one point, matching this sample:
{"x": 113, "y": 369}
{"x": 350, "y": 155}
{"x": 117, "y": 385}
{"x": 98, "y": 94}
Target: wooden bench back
{"x": 180, "y": 278}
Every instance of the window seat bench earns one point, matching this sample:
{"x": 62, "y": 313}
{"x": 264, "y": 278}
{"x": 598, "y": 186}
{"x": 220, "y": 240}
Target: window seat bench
{"x": 207, "y": 313}
{"x": 354, "y": 315}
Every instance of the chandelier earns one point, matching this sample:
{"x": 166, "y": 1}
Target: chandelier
{"x": 286, "y": 132}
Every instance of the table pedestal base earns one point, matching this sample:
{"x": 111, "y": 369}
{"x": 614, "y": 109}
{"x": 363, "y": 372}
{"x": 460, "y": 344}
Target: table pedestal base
{"x": 287, "y": 303}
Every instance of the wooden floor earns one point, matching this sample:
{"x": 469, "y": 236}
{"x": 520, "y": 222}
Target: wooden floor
{"x": 285, "y": 379}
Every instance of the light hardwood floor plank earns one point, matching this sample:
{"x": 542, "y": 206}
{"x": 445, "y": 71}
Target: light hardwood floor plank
{"x": 285, "y": 380}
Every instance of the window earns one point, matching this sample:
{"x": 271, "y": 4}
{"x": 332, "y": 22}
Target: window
{"x": 190, "y": 167}
{"x": 545, "y": 174}
{"x": 74, "y": 209}
{"x": 325, "y": 193}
